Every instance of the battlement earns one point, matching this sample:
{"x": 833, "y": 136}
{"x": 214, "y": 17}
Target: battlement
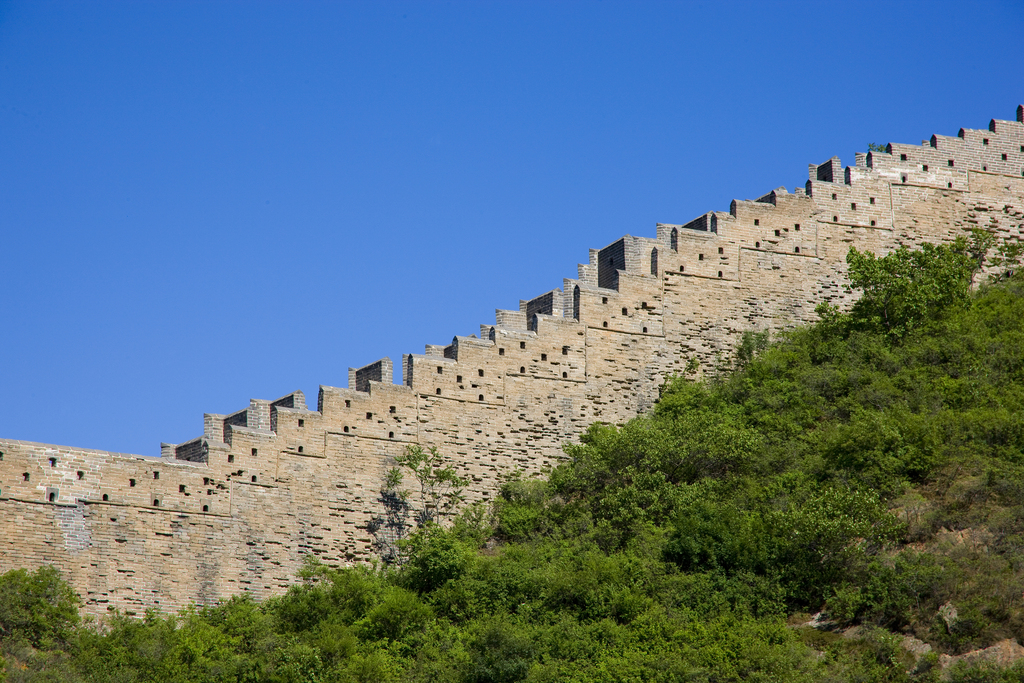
{"x": 236, "y": 509}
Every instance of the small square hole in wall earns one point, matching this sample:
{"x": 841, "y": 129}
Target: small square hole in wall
{"x": 156, "y": 502}
{"x": 835, "y": 219}
{"x": 871, "y": 200}
{"x": 833, "y": 195}
{"x": 949, "y": 185}
{"x": 719, "y": 273}
{"x": 1004, "y": 157}
{"x": 25, "y": 476}
{"x": 254, "y": 478}
{"x": 984, "y": 168}
{"x": 391, "y": 435}
{"x": 369, "y": 416}
{"x": 872, "y": 224}
{"x": 757, "y": 221}
{"x": 565, "y": 375}
{"x": 348, "y": 404}
{"x": 345, "y": 429}
{"x": 903, "y": 157}
{"x": 181, "y": 488}
{"x": 206, "y": 508}
{"x": 604, "y": 299}
{"x": 501, "y": 352}
{"x": 206, "y": 481}
{"x": 778, "y": 233}
{"x": 721, "y": 250}
{"x": 458, "y": 379}
{"x": 131, "y": 482}
{"x": 106, "y": 497}
{"x": 81, "y": 474}
{"x": 853, "y": 206}
{"x": 950, "y": 163}
{"x": 480, "y": 373}
{"x": 440, "y": 370}
{"x": 480, "y": 397}
{"x": 796, "y": 226}
{"x": 903, "y": 178}
{"x": 604, "y": 324}
{"x": 231, "y": 458}
{"x": 700, "y": 257}
{"x": 757, "y": 245}
{"x": 53, "y": 462}
{"x": 302, "y": 423}
{"x": 565, "y": 350}
{"x": 522, "y": 370}
{"x": 924, "y": 167}
{"x": 156, "y": 475}
{"x": 625, "y": 311}
{"x": 984, "y": 141}
{"x": 300, "y": 449}
{"x": 543, "y": 356}
{"x": 645, "y": 330}
{"x": 51, "y": 496}
{"x": 438, "y": 391}
{"x": 391, "y": 409}
{"x": 796, "y": 250}
{"x": 522, "y": 345}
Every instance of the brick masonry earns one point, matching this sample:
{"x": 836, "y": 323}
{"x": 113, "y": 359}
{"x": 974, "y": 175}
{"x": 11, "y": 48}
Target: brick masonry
{"x": 237, "y": 509}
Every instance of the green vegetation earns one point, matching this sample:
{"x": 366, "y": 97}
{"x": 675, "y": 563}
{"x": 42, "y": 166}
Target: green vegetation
{"x": 871, "y": 466}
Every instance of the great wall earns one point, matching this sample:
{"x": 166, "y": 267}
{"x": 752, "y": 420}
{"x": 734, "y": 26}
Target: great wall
{"x": 237, "y": 509}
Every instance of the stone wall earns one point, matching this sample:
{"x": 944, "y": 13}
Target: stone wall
{"x": 237, "y": 509}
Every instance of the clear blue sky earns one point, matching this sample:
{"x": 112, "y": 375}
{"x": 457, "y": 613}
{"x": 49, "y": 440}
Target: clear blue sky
{"x": 206, "y": 202}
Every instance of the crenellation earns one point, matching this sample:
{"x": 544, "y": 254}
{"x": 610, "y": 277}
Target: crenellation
{"x": 236, "y": 510}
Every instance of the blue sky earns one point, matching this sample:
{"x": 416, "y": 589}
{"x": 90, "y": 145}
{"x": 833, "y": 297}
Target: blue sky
{"x": 206, "y": 202}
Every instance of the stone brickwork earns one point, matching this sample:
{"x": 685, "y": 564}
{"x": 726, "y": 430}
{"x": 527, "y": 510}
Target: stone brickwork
{"x": 237, "y": 509}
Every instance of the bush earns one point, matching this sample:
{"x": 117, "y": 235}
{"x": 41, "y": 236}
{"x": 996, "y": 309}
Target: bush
{"x": 38, "y": 607}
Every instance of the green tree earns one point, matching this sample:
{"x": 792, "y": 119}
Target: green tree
{"x": 905, "y": 288}
{"x": 441, "y": 489}
{"x": 38, "y": 607}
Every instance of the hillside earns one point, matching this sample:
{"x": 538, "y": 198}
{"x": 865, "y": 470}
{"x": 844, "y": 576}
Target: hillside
{"x": 847, "y": 504}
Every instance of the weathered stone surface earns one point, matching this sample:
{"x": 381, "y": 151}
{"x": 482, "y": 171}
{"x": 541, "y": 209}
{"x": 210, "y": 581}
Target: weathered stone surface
{"x": 237, "y": 509}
